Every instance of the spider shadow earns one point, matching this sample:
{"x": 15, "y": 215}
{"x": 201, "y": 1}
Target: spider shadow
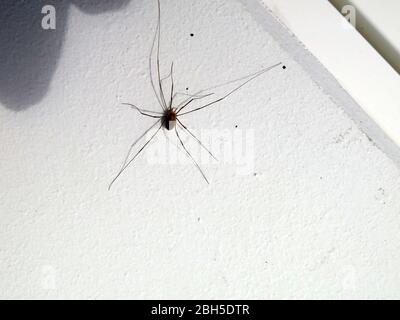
{"x": 30, "y": 54}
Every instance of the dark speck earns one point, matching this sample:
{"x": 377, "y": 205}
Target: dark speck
{"x": 192, "y": 34}
{"x": 284, "y": 67}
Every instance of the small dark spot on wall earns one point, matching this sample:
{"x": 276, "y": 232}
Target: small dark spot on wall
{"x": 198, "y": 219}
{"x": 187, "y": 89}
{"x": 283, "y": 67}
{"x": 192, "y": 34}
{"x": 255, "y": 174}
{"x": 236, "y": 126}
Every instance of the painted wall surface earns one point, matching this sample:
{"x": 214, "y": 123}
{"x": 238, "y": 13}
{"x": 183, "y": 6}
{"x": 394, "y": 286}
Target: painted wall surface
{"x": 301, "y": 204}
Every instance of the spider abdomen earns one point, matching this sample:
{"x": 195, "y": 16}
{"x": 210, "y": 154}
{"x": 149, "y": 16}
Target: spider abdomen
{"x": 170, "y": 120}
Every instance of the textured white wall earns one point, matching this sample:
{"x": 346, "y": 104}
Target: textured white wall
{"x": 320, "y": 219}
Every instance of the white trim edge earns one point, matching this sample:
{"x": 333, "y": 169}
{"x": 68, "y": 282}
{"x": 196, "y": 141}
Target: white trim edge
{"x": 356, "y": 65}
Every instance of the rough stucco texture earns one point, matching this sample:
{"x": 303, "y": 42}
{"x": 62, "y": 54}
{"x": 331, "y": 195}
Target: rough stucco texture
{"x": 317, "y": 217}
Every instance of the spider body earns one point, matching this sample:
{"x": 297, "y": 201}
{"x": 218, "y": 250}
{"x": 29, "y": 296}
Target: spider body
{"x": 169, "y": 119}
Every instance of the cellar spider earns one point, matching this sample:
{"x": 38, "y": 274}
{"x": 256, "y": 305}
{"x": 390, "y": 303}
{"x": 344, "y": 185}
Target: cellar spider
{"x": 168, "y": 117}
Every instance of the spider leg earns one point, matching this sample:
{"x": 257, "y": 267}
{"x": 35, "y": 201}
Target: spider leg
{"x": 126, "y": 164}
{"x": 190, "y": 156}
{"x": 144, "y": 112}
{"x": 176, "y": 144}
{"x": 189, "y": 101}
{"x": 259, "y": 72}
{"x": 170, "y": 75}
{"x": 184, "y": 127}
{"x": 232, "y": 91}
{"x": 166, "y": 77}
{"x": 172, "y": 85}
{"x": 192, "y": 95}
{"x": 151, "y": 60}
{"x": 158, "y": 57}
{"x": 197, "y": 94}
{"x": 136, "y": 141}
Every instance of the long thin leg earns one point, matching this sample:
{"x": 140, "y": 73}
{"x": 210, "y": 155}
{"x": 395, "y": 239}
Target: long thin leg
{"x": 192, "y": 95}
{"x": 231, "y": 92}
{"x": 126, "y": 164}
{"x": 187, "y": 102}
{"x": 196, "y": 95}
{"x": 188, "y": 153}
{"x": 135, "y": 142}
{"x": 259, "y": 72}
{"x": 151, "y": 62}
{"x": 158, "y": 56}
{"x": 229, "y": 82}
{"x": 144, "y": 112}
{"x": 170, "y": 75}
{"x": 184, "y": 127}
{"x": 177, "y": 145}
{"x": 166, "y": 77}
{"x": 172, "y": 85}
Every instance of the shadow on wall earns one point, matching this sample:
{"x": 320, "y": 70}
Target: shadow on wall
{"x": 28, "y": 53}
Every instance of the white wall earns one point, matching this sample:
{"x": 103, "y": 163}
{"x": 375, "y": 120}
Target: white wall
{"x": 320, "y": 219}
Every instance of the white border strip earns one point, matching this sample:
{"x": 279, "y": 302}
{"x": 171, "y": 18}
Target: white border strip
{"x": 357, "y": 66}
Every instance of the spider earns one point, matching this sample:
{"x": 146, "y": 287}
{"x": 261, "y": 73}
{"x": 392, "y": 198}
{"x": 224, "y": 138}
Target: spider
{"x": 169, "y": 117}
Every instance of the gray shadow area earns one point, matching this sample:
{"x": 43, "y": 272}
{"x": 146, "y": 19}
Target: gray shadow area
{"x": 29, "y": 54}
{"x": 99, "y": 6}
